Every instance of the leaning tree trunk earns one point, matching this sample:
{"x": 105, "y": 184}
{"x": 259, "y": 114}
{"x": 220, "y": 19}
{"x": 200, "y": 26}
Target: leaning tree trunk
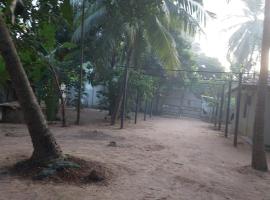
{"x": 44, "y": 143}
{"x": 258, "y": 152}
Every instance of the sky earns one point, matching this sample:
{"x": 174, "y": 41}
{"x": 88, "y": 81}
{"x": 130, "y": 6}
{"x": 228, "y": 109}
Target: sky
{"x": 215, "y": 42}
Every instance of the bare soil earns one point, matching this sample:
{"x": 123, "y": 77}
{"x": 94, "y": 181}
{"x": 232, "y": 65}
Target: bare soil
{"x": 67, "y": 170}
{"x": 160, "y": 159}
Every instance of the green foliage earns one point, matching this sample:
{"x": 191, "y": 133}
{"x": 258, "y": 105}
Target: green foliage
{"x": 152, "y": 19}
{"x": 42, "y": 37}
{"x": 138, "y": 83}
{"x": 147, "y": 36}
{"x": 67, "y": 11}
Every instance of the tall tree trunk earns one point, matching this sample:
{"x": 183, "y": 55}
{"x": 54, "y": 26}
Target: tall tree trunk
{"x": 119, "y": 100}
{"x": 116, "y": 108}
{"x": 81, "y": 67}
{"x": 258, "y": 152}
{"x": 63, "y": 109}
{"x": 44, "y": 143}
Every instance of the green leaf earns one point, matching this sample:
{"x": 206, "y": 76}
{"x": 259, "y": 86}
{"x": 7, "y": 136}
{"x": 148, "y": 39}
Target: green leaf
{"x": 67, "y": 11}
{"x": 162, "y": 43}
{"x": 69, "y": 45}
{"x": 47, "y": 35}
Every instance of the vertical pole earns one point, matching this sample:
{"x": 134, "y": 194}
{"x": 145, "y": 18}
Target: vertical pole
{"x": 237, "y": 110}
{"x": 216, "y": 111}
{"x": 145, "y": 110}
{"x": 221, "y": 107}
{"x": 228, "y": 108}
{"x": 93, "y": 93}
{"x": 123, "y": 110}
{"x": 151, "y": 109}
{"x": 136, "y": 109}
{"x": 212, "y": 114}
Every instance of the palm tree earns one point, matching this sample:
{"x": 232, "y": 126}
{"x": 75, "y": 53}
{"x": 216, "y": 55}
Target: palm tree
{"x": 258, "y": 152}
{"x": 121, "y": 22}
{"x": 44, "y": 143}
{"x": 81, "y": 65}
{"x": 246, "y": 39}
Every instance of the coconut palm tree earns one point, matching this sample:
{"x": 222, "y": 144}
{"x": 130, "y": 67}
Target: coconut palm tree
{"x": 258, "y": 153}
{"x": 184, "y": 15}
{"x": 245, "y": 42}
{"x": 44, "y": 143}
{"x": 123, "y": 21}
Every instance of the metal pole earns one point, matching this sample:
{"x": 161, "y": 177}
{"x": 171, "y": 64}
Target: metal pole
{"x": 123, "y": 113}
{"x": 221, "y": 108}
{"x": 228, "y": 108}
{"x": 145, "y": 110}
{"x": 136, "y": 109}
{"x": 237, "y": 110}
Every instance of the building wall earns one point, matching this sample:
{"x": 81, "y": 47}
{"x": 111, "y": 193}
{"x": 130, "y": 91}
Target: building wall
{"x": 181, "y": 103}
{"x": 89, "y": 96}
{"x": 247, "y": 115}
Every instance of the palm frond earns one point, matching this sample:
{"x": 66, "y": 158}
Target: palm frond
{"x": 162, "y": 43}
{"x": 92, "y": 20}
{"x": 187, "y": 15}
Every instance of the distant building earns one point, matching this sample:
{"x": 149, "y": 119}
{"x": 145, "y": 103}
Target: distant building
{"x": 11, "y": 112}
{"x": 247, "y": 112}
{"x": 182, "y": 102}
{"x": 89, "y": 96}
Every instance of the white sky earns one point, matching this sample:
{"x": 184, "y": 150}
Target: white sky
{"x": 215, "y": 42}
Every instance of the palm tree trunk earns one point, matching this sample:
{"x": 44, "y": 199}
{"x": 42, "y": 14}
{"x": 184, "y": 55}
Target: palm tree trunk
{"x": 44, "y": 143}
{"x": 63, "y": 113}
{"x": 81, "y": 67}
{"x": 258, "y": 152}
{"x": 119, "y": 100}
{"x": 116, "y": 108}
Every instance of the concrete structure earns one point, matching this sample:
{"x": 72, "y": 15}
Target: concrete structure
{"x": 181, "y": 102}
{"x": 11, "y": 112}
{"x": 247, "y": 112}
{"x": 89, "y": 96}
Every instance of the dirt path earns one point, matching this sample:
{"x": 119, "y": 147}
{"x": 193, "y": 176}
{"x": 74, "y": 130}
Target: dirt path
{"x": 161, "y": 159}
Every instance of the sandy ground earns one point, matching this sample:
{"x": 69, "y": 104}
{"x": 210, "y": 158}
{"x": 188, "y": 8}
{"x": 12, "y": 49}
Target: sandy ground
{"x": 161, "y": 159}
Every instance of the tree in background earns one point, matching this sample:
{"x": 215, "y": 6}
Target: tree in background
{"x": 148, "y": 23}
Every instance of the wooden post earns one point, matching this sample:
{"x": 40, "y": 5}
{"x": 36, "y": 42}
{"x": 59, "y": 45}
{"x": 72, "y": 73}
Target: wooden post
{"x": 151, "y": 109}
{"x": 237, "y": 110}
{"x": 212, "y": 114}
{"x": 216, "y": 111}
{"x": 123, "y": 110}
{"x": 221, "y": 107}
{"x": 228, "y": 108}
{"x": 136, "y": 108}
{"x": 145, "y": 110}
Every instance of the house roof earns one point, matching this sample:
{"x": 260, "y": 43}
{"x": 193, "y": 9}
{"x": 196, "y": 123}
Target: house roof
{"x": 247, "y": 86}
{"x": 13, "y": 105}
